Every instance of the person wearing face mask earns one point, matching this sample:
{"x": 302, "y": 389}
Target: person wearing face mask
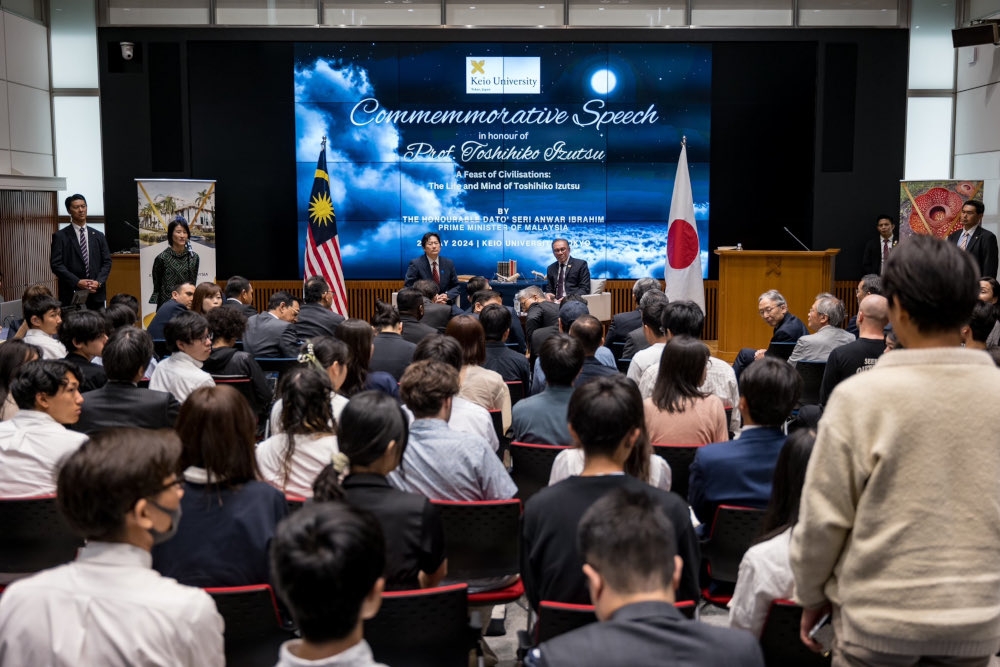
{"x": 121, "y": 493}
{"x": 178, "y": 263}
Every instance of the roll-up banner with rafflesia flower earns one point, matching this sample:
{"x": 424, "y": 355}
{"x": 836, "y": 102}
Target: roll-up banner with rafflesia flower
{"x": 934, "y": 207}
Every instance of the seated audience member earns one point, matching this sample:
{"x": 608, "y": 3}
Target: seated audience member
{"x": 512, "y": 366}
{"x": 542, "y": 418}
{"x": 190, "y": 343}
{"x": 391, "y": 353}
{"x": 314, "y": 318}
{"x": 474, "y": 285}
{"x": 121, "y": 402}
{"x": 605, "y": 418}
{"x": 119, "y": 492}
{"x": 590, "y": 332}
{"x": 642, "y": 464}
{"x": 571, "y": 309}
{"x": 656, "y": 336}
{"x": 180, "y": 302}
{"x": 328, "y": 355}
{"x": 466, "y": 416}
{"x": 410, "y": 304}
{"x": 637, "y": 341}
{"x": 765, "y": 573}
{"x": 239, "y": 295}
{"x": 125, "y": 299}
{"x": 27, "y": 295}
{"x": 975, "y": 333}
{"x": 477, "y": 384}
{"x": 441, "y": 463}
{"x": 43, "y": 315}
{"x": 678, "y": 412}
{"x": 825, "y": 318}
{"x": 227, "y": 326}
{"x": 860, "y": 355}
{"x": 327, "y": 561}
{"x": 35, "y": 440}
{"x": 633, "y": 571}
{"x": 869, "y": 284}
{"x": 83, "y": 333}
{"x": 625, "y": 323}
{"x": 489, "y": 298}
{"x": 773, "y": 309}
{"x": 538, "y": 312}
{"x": 229, "y": 516}
{"x": 989, "y": 291}
{"x": 262, "y": 337}
{"x": 436, "y": 314}
{"x": 739, "y": 472}
{"x": 13, "y": 355}
{"x": 373, "y": 438}
{"x": 207, "y": 297}
{"x": 117, "y": 316}
{"x": 360, "y": 341}
{"x": 292, "y": 459}
{"x": 685, "y": 318}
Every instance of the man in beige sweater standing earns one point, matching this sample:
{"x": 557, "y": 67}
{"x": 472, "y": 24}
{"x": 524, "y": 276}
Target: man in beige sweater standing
{"x": 899, "y": 528}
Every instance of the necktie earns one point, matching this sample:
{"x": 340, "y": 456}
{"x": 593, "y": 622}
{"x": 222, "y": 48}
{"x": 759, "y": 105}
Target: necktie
{"x": 561, "y": 282}
{"x": 964, "y": 241}
{"x": 434, "y": 272}
{"x": 885, "y": 249}
{"x": 83, "y": 249}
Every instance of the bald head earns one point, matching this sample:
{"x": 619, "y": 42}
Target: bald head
{"x": 873, "y": 315}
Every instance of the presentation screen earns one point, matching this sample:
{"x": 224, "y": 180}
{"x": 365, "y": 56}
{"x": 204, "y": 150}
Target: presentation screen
{"x": 501, "y": 148}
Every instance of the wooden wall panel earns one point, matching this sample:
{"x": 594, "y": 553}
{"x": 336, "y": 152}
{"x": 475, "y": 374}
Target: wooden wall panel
{"x": 27, "y": 222}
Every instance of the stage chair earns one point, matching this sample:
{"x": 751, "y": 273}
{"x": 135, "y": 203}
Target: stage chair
{"x": 532, "y": 464}
{"x": 483, "y": 540}
{"x": 33, "y": 536}
{"x": 732, "y": 532}
{"x": 780, "y": 350}
{"x": 254, "y": 629}
{"x": 780, "y": 641}
{"x": 423, "y": 628}
{"x": 680, "y": 458}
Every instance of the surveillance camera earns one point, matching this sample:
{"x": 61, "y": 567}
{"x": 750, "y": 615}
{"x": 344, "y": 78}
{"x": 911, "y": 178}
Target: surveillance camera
{"x": 128, "y": 50}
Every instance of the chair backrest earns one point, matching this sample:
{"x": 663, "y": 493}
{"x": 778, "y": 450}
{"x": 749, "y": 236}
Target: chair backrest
{"x": 780, "y": 641}
{"x": 254, "y": 630}
{"x": 242, "y": 384}
{"x": 482, "y": 539}
{"x": 780, "y": 350}
{"x": 556, "y": 618}
{"x": 276, "y": 364}
{"x": 294, "y": 501}
{"x": 811, "y": 373}
{"x": 532, "y": 465}
{"x": 680, "y": 458}
{"x": 617, "y": 348}
{"x": 733, "y": 531}
{"x": 516, "y": 388}
{"x": 423, "y": 628}
{"x": 160, "y": 349}
{"x": 623, "y": 364}
{"x": 497, "y": 418}
{"x": 33, "y": 536}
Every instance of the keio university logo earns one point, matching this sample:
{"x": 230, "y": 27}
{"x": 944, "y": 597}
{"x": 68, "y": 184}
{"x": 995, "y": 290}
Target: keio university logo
{"x": 502, "y": 75}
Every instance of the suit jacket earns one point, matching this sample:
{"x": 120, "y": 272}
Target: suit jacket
{"x": 818, "y": 346}
{"x": 648, "y": 634}
{"x": 124, "y": 404}
{"x": 66, "y": 261}
{"x": 415, "y": 330}
{"x": 420, "y": 269}
{"x": 871, "y": 261}
{"x": 982, "y": 246}
{"x": 738, "y": 472}
{"x": 622, "y": 325}
{"x": 789, "y": 330}
{"x": 164, "y": 314}
{"x": 392, "y": 354}
{"x": 577, "y": 277}
{"x": 635, "y": 342}
{"x": 541, "y": 314}
{"x": 92, "y": 376}
{"x": 314, "y": 320}
{"x": 436, "y": 315}
{"x": 262, "y": 337}
{"x": 244, "y": 308}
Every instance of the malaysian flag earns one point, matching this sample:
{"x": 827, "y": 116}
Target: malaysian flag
{"x": 323, "y": 244}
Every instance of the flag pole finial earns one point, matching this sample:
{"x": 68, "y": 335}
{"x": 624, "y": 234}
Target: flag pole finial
{"x": 684, "y": 140}
{"x": 323, "y": 144}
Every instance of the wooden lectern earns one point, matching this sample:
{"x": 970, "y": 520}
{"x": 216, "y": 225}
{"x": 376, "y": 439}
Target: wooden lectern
{"x": 746, "y": 274}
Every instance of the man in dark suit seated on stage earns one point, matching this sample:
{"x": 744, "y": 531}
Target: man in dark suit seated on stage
{"x": 630, "y": 560}
{"x": 410, "y": 304}
{"x": 978, "y": 242}
{"x": 739, "y": 472}
{"x": 80, "y": 258}
{"x": 877, "y": 250}
{"x": 431, "y": 266}
{"x": 625, "y": 323}
{"x": 314, "y": 319}
{"x": 773, "y": 309}
{"x": 239, "y": 295}
{"x": 513, "y": 367}
{"x": 180, "y": 302}
{"x": 121, "y": 402}
{"x": 567, "y": 275}
{"x": 262, "y": 337}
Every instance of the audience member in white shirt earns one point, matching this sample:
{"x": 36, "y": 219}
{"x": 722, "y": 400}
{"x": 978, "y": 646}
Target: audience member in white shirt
{"x": 43, "y": 315}
{"x": 190, "y": 344}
